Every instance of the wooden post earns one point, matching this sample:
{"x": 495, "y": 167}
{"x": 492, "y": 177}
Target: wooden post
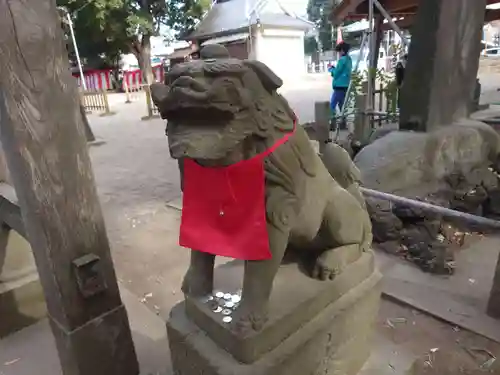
{"x": 322, "y": 123}
{"x": 149, "y": 103}
{"x": 372, "y": 76}
{"x": 127, "y": 91}
{"x": 47, "y": 157}
{"x": 107, "y": 110}
{"x": 437, "y": 90}
{"x": 493, "y": 308}
{"x": 361, "y": 123}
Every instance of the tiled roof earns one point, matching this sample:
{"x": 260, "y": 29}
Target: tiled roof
{"x": 232, "y": 15}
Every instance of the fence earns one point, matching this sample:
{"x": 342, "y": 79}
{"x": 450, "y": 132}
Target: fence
{"x": 133, "y": 92}
{"x": 385, "y": 105}
{"x": 95, "y": 101}
{"x": 360, "y": 122}
{"x": 321, "y": 67}
{"x": 133, "y": 78}
{"x": 138, "y": 91}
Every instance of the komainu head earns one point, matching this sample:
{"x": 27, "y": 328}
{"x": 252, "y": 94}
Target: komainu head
{"x": 213, "y": 105}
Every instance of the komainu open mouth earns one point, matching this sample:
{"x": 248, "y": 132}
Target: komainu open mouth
{"x": 186, "y": 113}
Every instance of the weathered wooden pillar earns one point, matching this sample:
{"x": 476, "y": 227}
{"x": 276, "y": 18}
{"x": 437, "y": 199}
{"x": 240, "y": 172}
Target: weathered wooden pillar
{"x": 442, "y": 63}
{"x": 373, "y": 57}
{"x": 362, "y": 128}
{"x": 50, "y": 167}
{"x": 322, "y": 117}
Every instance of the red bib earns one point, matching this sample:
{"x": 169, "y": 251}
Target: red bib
{"x": 223, "y": 208}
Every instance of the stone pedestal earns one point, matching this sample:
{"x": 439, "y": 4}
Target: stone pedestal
{"x": 21, "y": 296}
{"x": 314, "y": 327}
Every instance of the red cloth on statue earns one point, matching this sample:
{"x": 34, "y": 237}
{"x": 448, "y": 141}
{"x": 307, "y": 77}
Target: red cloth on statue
{"x": 223, "y": 208}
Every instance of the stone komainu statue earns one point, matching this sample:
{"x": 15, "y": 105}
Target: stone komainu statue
{"x": 224, "y": 110}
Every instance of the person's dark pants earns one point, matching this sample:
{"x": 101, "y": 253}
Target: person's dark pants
{"x": 338, "y": 100}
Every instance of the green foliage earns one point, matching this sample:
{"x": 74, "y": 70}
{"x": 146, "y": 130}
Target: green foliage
{"x": 107, "y": 28}
{"x": 388, "y": 86}
{"x": 183, "y": 16}
{"x": 318, "y": 11}
{"x": 310, "y": 45}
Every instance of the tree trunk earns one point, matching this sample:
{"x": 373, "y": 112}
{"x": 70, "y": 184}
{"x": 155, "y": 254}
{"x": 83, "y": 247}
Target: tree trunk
{"x": 142, "y": 52}
{"x": 88, "y": 130}
{"x": 442, "y": 64}
{"x": 50, "y": 167}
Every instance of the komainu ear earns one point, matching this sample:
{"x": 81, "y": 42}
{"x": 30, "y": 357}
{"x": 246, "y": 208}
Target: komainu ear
{"x": 270, "y": 81}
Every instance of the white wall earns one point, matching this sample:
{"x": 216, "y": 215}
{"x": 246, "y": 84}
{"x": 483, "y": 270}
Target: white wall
{"x": 282, "y": 50}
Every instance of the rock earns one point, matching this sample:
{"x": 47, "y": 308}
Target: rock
{"x": 484, "y": 177}
{"x": 432, "y": 257}
{"x": 492, "y": 205}
{"x": 470, "y": 201}
{"x": 409, "y": 163}
{"x": 385, "y": 225}
{"x": 382, "y": 132}
{"x": 391, "y": 247}
{"x": 431, "y": 226}
{"x": 490, "y": 182}
{"x": 346, "y": 145}
{"x": 416, "y": 235}
{"x": 440, "y": 198}
{"x": 375, "y": 205}
{"x": 426, "y": 248}
{"x": 454, "y": 180}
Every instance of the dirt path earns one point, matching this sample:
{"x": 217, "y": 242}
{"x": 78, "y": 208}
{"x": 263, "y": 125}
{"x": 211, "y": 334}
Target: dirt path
{"x": 434, "y": 341}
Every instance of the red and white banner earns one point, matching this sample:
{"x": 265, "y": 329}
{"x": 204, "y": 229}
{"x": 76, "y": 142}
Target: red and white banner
{"x": 134, "y": 77}
{"x": 101, "y": 79}
{"x": 95, "y": 79}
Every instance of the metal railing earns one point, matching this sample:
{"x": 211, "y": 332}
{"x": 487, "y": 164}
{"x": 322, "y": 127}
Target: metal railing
{"x": 477, "y": 221}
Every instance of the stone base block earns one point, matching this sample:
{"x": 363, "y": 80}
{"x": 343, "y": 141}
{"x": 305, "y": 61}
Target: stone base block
{"x": 102, "y": 346}
{"x": 334, "y": 339}
{"x": 22, "y": 303}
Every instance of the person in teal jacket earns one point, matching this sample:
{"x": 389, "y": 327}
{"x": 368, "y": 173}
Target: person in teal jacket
{"x": 341, "y": 75}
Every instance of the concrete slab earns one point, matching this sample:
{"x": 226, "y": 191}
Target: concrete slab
{"x": 460, "y": 299}
{"x": 387, "y": 358}
{"x": 33, "y": 351}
